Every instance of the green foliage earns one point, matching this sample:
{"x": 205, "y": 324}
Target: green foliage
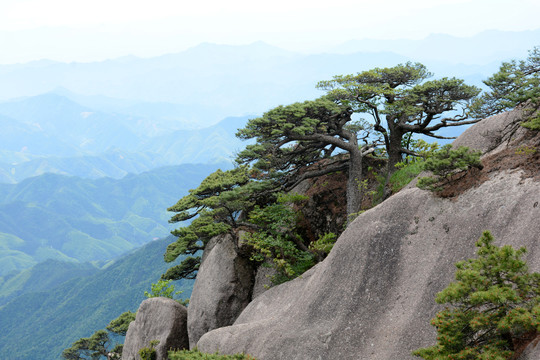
{"x": 120, "y": 325}
{"x": 533, "y": 123}
{"x": 93, "y": 347}
{"x": 405, "y": 174}
{"x": 276, "y": 238}
{"x": 241, "y": 199}
{"x": 494, "y": 305}
{"x": 214, "y": 205}
{"x": 66, "y": 312}
{"x": 324, "y": 244}
{"x": 292, "y": 140}
{"x": 446, "y": 162}
{"x": 197, "y": 355}
{"x": 526, "y": 150}
{"x": 406, "y": 170}
{"x": 420, "y": 147}
{"x": 297, "y": 135}
{"x": 149, "y": 353}
{"x": 516, "y": 83}
{"x": 165, "y": 288}
{"x": 401, "y": 101}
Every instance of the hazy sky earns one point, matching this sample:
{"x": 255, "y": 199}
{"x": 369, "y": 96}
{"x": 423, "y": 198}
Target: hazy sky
{"x": 88, "y": 30}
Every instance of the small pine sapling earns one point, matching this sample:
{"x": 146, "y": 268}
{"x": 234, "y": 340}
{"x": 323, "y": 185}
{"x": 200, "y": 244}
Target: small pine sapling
{"x": 446, "y": 163}
{"x": 494, "y": 307}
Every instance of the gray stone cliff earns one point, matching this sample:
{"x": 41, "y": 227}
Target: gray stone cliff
{"x": 373, "y": 297}
{"x": 222, "y": 290}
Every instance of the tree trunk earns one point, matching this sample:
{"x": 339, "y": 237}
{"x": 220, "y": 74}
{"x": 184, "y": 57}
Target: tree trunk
{"x": 394, "y": 157}
{"x": 354, "y": 183}
{"x": 394, "y": 150}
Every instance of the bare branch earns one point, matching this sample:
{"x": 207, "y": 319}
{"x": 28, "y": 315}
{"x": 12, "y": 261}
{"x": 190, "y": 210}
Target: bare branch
{"x": 316, "y": 173}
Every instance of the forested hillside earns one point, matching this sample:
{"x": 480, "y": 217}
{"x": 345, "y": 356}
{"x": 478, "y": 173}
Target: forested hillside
{"x": 69, "y": 218}
{"x": 39, "y": 325}
{"x": 43, "y": 277}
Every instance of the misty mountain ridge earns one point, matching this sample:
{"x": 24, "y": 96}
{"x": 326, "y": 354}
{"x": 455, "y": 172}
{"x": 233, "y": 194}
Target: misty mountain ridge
{"x": 210, "y": 82}
{"x": 51, "y": 133}
{"x": 482, "y": 48}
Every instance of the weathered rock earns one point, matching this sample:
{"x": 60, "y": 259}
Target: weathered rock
{"x": 222, "y": 290}
{"x": 532, "y": 351}
{"x": 373, "y": 297}
{"x": 491, "y": 133}
{"x": 263, "y": 279}
{"x": 160, "y": 319}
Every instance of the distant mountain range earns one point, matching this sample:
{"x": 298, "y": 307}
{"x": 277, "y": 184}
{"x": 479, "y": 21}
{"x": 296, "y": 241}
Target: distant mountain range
{"x": 483, "y": 48}
{"x": 55, "y": 303}
{"x": 130, "y": 114}
{"x": 69, "y": 218}
{"x": 92, "y": 155}
{"x": 210, "y": 82}
{"x": 52, "y": 133}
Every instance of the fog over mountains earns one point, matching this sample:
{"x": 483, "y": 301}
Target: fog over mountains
{"x": 51, "y": 133}
{"x": 207, "y": 83}
{"x": 133, "y": 115}
{"x": 92, "y": 154}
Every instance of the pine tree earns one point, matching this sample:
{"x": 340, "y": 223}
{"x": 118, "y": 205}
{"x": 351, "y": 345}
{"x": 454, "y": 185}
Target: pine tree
{"x": 445, "y": 163}
{"x": 493, "y": 306}
{"x": 516, "y": 83}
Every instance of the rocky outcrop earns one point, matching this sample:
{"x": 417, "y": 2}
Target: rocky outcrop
{"x": 227, "y": 281}
{"x": 263, "y": 279}
{"x": 223, "y": 288}
{"x": 492, "y": 133}
{"x": 160, "y": 319}
{"x": 373, "y": 297}
{"x": 532, "y": 351}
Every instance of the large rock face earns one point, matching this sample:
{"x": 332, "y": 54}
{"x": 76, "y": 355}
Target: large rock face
{"x": 160, "y": 319}
{"x": 532, "y": 352}
{"x": 222, "y": 290}
{"x": 373, "y": 297}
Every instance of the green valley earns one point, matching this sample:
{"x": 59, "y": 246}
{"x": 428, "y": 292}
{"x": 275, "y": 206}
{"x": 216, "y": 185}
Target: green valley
{"x": 69, "y": 218}
{"x": 40, "y": 324}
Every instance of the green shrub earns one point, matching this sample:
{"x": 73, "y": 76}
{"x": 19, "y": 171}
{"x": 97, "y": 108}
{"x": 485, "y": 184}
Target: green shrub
{"x": 149, "y": 353}
{"x": 406, "y": 174}
{"x": 277, "y": 239}
{"x": 494, "y": 304}
{"x": 447, "y": 162}
{"x": 406, "y": 170}
{"x": 164, "y": 288}
{"x": 197, "y": 355}
{"x": 324, "y": 244}
{"x": 533, "y": 123}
